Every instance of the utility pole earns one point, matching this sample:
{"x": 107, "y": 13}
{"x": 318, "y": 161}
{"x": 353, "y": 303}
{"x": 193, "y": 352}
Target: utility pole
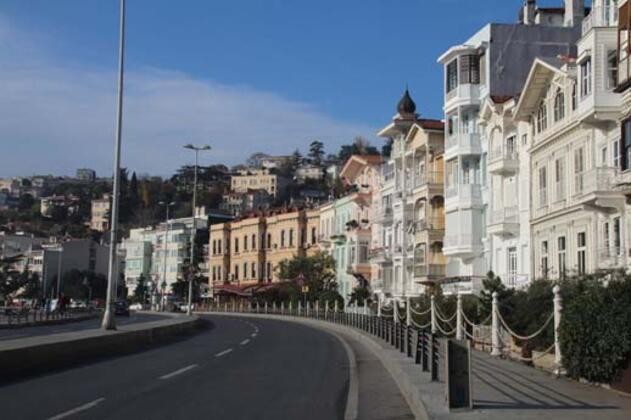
{"x": 196, "y": 149}
{"x": 109, "y": 323}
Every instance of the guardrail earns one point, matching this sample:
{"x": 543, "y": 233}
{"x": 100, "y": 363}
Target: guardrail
{"x": 19, "y": 316}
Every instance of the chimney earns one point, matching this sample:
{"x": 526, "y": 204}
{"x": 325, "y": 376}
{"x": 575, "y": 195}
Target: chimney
{"x": 530, "y": 6}
{"x": 574, "y": 12}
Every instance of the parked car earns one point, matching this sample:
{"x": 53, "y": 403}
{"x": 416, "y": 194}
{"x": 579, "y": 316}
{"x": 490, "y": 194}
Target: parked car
{"x": 121, "y": 307}
{"x": 136, "y": 306}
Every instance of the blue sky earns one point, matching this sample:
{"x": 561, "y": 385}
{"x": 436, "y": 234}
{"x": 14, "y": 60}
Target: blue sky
{"x": 241, "y": 75}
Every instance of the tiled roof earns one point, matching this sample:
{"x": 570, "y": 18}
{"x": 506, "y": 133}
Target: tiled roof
{"x": 430, "y": 124}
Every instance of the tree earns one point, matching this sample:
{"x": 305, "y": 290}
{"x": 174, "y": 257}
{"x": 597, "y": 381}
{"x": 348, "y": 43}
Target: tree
{"x": 316, "y": 152}
{"x": 140, "y": 292}
{"x": 32, "y": 287}
{"x": 360, "y": 146}
{"x": 492, "y": 284}
{"x": 360, "y": 295}
{"x": 316, "y": 271}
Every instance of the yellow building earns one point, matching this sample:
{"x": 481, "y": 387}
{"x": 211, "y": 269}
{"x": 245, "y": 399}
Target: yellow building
{"x": 258, "y": 179}
{"x": 100, "y": 213}
{"x": 285, "y": 239}
{"x": 247, "y": 258}
{"x": 219, "y": 249}
{"x": 313, "y": 231}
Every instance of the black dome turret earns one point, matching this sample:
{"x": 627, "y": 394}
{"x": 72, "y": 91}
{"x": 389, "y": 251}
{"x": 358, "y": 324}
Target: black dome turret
{"x": 406, "y": 105}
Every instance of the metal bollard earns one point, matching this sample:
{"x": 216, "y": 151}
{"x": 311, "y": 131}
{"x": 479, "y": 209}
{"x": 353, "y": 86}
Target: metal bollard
{"x": 425, "y": 352}
{"x": 433, "y": 341}
{"x": 408, "y": 341}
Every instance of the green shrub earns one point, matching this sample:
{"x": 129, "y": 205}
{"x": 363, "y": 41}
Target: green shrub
{"x": 595, "y": 330}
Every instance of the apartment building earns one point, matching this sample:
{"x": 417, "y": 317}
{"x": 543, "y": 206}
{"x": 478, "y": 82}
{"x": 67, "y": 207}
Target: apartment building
{"x": 408, "y": 233}
{"x": 247, "y": 257}
{"x": 219, "y": 249}
{"x": 258, "y": 179}
{"x": 69, "y": 204}
{"x": 238, "y": 203}
{"x": 285, "y": 239}
{"x": 494, "y": 62}
{"x": 312, "y": 231}
{"x": 100, "y": 213}
{"x": 577, "y": 213}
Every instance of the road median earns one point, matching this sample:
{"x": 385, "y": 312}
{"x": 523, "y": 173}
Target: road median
{"x": 34, "y": 355}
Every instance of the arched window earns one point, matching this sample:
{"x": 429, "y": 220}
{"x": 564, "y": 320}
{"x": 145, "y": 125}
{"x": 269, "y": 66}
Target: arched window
{"x": 559, "y": 106}
{"x": 542, "y": 117}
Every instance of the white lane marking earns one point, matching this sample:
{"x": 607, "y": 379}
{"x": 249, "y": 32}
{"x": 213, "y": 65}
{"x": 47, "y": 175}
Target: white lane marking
{"x": 246, "y": 341}
{"x": 177, "y": 372}
{"x": 223, "y": 353}
{"x": 78, "y": 409}
{"x": 253, "y": 335}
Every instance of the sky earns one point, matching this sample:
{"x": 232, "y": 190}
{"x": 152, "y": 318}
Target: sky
{"x": 243, "y": 76}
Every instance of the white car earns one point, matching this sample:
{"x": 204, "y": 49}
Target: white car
{"x": 136, "y": 307}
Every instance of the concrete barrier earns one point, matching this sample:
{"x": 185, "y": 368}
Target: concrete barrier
{"x": 42, "y": 353}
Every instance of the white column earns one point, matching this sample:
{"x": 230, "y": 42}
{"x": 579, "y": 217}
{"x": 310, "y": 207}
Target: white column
{"x": 408, "y": 312}
{"x": 495, "y": 328}
{"x": 395, "y": 311}
{"x": 558, "y": 305}
{"x": 459, "y": 332}
{"x": 433, "y": 314}
{"x": 265, "y": 306}
{"x": 379, "y": 306}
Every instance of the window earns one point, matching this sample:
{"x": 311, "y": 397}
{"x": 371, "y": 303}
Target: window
{"x": 269, "y": 241}
{"x": 586, "y": 77}
{"x": 282, "y": 239}
{"x": 559, "y": 106}
{"x": 291, "y": 237}
{"x": 214, "y": 247}
{"x": 245, "y": 243}
{"x": 452, "y": 76}
{"x": 253, "y": 269}
{"x": 236, "y": 245}
{"x": 543, "y": 187}
{"x": 269, "y": 271}
{"x": 236, "y": 272}
{"x": 314, "y": 236}
{"x": 603, "y": 156}
{"x": 512, "y": 266}
{"x": 219, "y": 246}
{"x": 470, "y": 69}
{"x": 579, "y": 168}
{"x": 626, "y": 145}
{"x": 245, "y": 271}
{"x": 617, "y": 236}
{"x": 562, "y": 249}
{"x": 452, "y": 124}
{"x": 511, "y": 146}
{"x": 559, "y": 175}
{"x": 544, "y": 259}
{"x": 606, "y": 240}
{"x": 612, "y": 69}
{"x": 581, "y": 249}
{"x": 615, "y": 151}
{"x": 542, "y": 117}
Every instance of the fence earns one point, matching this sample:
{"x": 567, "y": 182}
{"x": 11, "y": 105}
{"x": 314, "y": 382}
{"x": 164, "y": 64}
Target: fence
{"x": 17, "y": 316}
{"x": 399, "y": 327}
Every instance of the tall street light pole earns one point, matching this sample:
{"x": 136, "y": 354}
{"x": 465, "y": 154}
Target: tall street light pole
{"x": 109, "y": 323}
{"x": 196, "y": 149}
{"x": 165, "y": 251}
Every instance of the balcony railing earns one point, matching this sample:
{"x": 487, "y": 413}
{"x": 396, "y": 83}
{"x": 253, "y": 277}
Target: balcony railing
{"x": 458, "y": 240}
{"x": 503, "y": 153}
{"x": 422, "y": 179}
{"x": 380, "y": 254}
{"x": 464, "y": 191}
{"x": 601, "y": 16}
{"x": 593, "y": 181}
{"x": 429, "y": 270}
{"x": 465, "y": 143}
{"x": 505, "y": 215}
{"x": 432, "y": 223}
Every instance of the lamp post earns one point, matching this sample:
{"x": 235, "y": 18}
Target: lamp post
{"x": 109, "y": 323}
{"x": 196, "y": 149}
{"x": 165, "y": 250}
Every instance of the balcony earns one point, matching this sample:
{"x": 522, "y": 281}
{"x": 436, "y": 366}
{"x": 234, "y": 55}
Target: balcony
{"x": 464, "y": 93}
{"x": 503, "y": 161}
{"x": 431, "y": 223}
{"x": 611, "y": 257}
{"x": 601, "y": 17}
{"x": 463, "y": 145}
{"x": 380, "y": 255}
{"x": 363, "y": 269}
{"x": 428, "y": 273}
{"x": 595, "y": 188}
{"x": 426, "y": 184}
{"x": 384, "y": 215}
{"x": 505, "y": 222}
{"x": 462, "y": 246}
{"x": 464, "y": 195}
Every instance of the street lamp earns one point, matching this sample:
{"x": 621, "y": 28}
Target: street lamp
{"x": 196, "y": 149}
{"x": 165, "y": 249}
{"x": 109, "y": 323}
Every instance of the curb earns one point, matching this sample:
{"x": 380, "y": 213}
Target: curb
{"x": 39, "y": 354}
{"x": 407, "y": 389}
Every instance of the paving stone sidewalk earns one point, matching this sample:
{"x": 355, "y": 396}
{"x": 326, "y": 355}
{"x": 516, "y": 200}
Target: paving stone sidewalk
{"x": 504, "y": 389}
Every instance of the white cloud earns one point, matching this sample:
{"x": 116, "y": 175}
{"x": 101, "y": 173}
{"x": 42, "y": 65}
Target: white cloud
{"x": 56, "y": 117}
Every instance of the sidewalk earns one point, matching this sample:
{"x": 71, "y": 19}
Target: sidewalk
{"x": 504, "y": 389}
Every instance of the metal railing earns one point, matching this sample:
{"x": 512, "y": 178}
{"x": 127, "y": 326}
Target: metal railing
{"x": 20, "y": 316}
{"x": 505, "y": 215}
{"x": 595, "y": 180}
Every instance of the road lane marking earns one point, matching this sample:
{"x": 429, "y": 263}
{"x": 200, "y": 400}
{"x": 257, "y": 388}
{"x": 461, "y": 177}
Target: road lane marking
{"x": 223, "y": 353}
{"x": 253, "y": 335}
{"x": 78, "y": 409}
{"x": 246, "y": 341}
{"x": 178, "y": 372}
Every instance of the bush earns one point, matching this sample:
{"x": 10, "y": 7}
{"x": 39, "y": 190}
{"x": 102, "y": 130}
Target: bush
{"x": 594, "y": 331}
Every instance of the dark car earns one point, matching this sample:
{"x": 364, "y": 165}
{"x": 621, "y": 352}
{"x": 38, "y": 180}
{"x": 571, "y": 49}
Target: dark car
{"x": 121, "y": 307}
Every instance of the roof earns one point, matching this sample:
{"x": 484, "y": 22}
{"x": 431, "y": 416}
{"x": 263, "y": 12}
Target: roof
{"x": 430, "y": 124}
{"x": 537, "y": 82}
{"x": 356, "y": 163}
{"x": 500, "y": 99}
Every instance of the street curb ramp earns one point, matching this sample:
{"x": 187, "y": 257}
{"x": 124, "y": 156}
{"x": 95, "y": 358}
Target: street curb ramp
{"x": 35, "y": 355}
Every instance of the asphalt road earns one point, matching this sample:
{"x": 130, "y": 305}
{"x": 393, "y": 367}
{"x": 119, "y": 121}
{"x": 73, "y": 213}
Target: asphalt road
{"x": 17, "y": 333}
{"x": 237, "y": 369}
